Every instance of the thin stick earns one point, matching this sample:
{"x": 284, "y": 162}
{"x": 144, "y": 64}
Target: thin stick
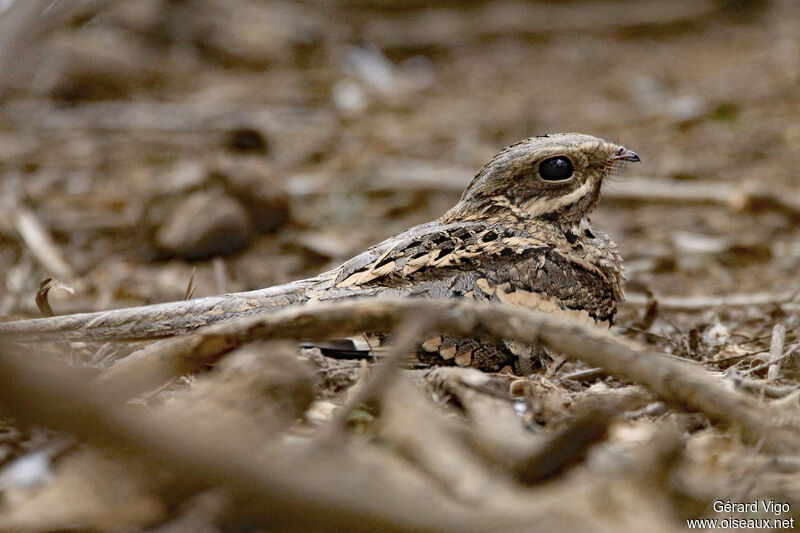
{"x": 317, "y": 492}
{"x": 738, "y": 197}
{"x": 762, "y": 388}
{"x": 41, "y": 244}
{"x": 651, "y": 189}
{"x": 17, "y": 35}
{"x": 587, "y": 373}
{"x": 703, "y": 302}
{"x": 776, "y": 352}
{"x": 409, "y": 337}
{"x": 23, "y": 30}
{"x": 220, "y": 275}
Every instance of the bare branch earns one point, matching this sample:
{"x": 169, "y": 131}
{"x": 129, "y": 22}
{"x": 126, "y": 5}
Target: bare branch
{"x": 738, "y": 197}
{"x": 41, "y": 244}
{"x": 16, "y": 34}
{"x": 703, "y": 302}
{"x": 776, "y": 351}
{"x": 407, "y": 340}
{"x": 666, "y": 376}
{"x": 319, "y": 491}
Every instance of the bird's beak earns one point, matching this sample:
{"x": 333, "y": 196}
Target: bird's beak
{"x": 623, "y": 154}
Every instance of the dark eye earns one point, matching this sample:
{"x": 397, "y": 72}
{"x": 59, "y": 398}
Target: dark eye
{"x": 557, "y": 168}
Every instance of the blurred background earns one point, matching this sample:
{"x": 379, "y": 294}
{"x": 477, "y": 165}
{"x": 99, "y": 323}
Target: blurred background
{"x": 255, "y": 142}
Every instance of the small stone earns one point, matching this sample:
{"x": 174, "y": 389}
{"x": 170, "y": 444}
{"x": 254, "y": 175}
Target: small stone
{"x": 246, "y": 140}
{"x": 688, "y": 242}
{"x": 686, "y": 108}
{"x": 349, "y": 97}
{"x": 90, "y": 67}
{"x": 253, "y": 182}
{"x": 204, "y": 224}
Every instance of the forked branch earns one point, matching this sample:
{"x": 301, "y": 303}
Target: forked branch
{"x": 670, "y": 379}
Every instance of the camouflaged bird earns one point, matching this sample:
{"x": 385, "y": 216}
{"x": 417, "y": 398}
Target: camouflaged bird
{"x": 519, "y": 235}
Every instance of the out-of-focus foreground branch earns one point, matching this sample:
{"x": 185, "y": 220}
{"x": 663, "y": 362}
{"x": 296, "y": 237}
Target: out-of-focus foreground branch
{"x": 676, "y": 381}
{"x": 325, "y": 491}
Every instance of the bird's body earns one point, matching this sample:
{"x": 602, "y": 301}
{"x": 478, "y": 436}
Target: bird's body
{"x": 518, "y": 236}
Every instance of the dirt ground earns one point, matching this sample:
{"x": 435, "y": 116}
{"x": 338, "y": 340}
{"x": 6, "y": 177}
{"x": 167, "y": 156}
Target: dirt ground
{"x": 235, "y": 145}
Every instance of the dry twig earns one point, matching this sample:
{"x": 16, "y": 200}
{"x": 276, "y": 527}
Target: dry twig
{"x": 19, "y": 27}
{"x": 282, "y": 495}
{"x": 40, "y": 244}
{"x": 566, "y": 448}
{"x": 739, "y": 197}
{"x": 703, "y": 302}
{"x": 406, "y": 341}
{"x": 776, "y": 352}
{"x": 667, "y": 377}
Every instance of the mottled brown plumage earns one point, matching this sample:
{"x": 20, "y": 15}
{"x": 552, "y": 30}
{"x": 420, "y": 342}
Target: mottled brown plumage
{"x": 519, "y": 235}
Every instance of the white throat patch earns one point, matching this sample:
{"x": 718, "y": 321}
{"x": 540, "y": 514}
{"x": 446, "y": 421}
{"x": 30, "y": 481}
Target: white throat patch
{"x": 541, "y": 206}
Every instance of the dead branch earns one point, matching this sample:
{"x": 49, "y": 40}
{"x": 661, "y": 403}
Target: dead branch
{"x": 327, "y": 491}
{"x": 16, "y": 34}
{"x": 153, "y": 116}
{"x": 667, "y": 377}
{"x": 703, "y": 302}
{"x": 41, "y": 245}
{"x": 23, "y": 28}
{"x": 493, "y": 406}
{"x": 378, "y": 382}
{"x": 776, "y": 352}
{"x": 649, "y": 189}
{"x": 565, "y": 448}
{"x": 747, "y": 196}
{"x": 495, "y": 430}
{"x": 761, "y": 387}
{"x": 415, "y": 429}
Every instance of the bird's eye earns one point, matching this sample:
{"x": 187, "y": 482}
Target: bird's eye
{"x": 557, "y": 168}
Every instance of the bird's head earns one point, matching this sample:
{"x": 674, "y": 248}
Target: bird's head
{"x": 554, "y": 178}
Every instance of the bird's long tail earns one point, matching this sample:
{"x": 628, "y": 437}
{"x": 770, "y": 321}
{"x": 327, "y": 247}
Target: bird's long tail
{"x": 156, "y": 321}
